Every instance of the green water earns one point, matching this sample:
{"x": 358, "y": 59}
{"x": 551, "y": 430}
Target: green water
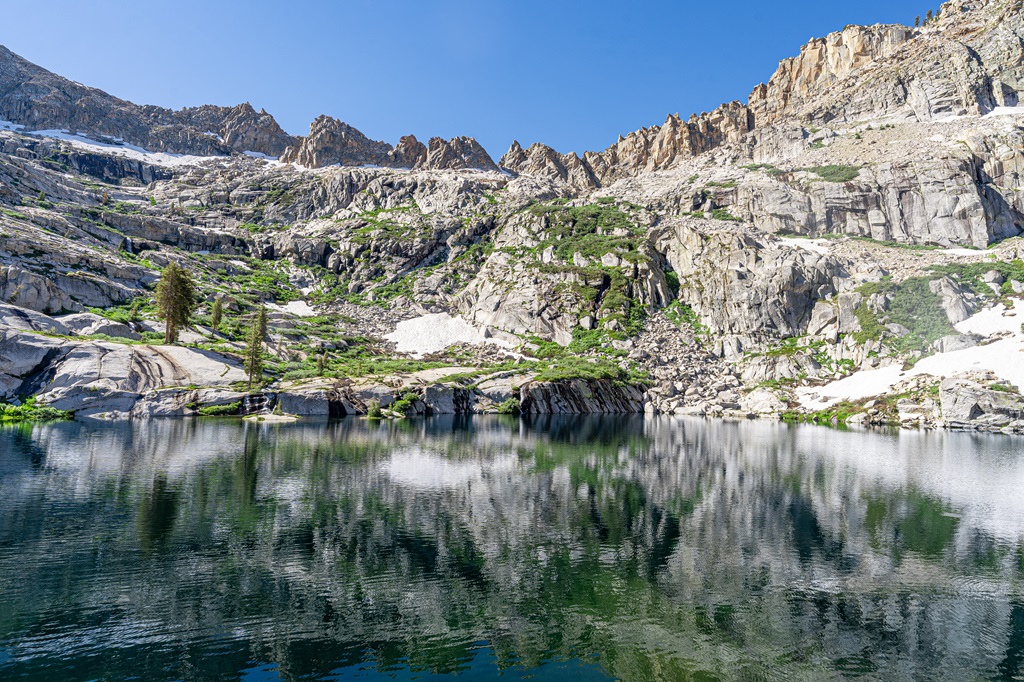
{"x": 578, "y": 549}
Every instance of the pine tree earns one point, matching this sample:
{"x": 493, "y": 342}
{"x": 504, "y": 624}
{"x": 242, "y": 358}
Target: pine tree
{"x": 254, "y": 346}
{"x": 216, "y": 314}
{"x": 917, "y": 21}
{"x": 321, "y": 363}
{"x": 175, "y": 300}
{"x": 928, "y": 16}
{"x": 262, "y": 319}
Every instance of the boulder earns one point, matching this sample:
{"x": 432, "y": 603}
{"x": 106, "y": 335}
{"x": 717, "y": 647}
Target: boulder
{"x": 91, "y": 324}
{"x": 305, "y": 402}
{"x": 26, "y": 319}
{"x": 955, "y": 342}
{"x": 980, "y": 401}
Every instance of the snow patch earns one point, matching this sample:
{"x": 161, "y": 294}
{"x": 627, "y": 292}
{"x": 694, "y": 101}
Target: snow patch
{"x": 7, "y": 125}
{"x": 435, "y": 332}
{"x": 994, "y": 320}
{"x": 260, "y": 155}
{"x": 297, "y": 308}
{"x": 121, "y": 149}
{"x": 815, "y": 245}
{"x": 1004, "y": 358}
{"x": 1006, "y": 111}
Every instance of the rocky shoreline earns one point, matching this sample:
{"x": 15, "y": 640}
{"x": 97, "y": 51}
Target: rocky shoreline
{"x": 115, "y": 378}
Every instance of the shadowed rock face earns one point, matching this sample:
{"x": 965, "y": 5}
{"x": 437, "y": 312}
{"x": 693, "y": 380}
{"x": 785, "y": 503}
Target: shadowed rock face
{"x": 580, "y": 397}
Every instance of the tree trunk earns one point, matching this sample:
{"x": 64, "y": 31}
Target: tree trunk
{"x": 167, "y": 331}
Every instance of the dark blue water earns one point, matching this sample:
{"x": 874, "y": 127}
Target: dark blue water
{"x": 579, "y": 549}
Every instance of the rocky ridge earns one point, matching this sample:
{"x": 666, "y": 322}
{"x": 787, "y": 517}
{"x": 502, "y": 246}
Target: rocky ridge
{"x": 37, "y": 99}
{"x": 965, "y": 62}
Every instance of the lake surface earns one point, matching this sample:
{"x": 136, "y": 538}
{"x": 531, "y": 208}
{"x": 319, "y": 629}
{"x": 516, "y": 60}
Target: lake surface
{"x": 583, "y": 548}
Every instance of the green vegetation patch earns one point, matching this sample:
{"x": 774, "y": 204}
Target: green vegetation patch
{"x": 681, "y": 314}
{"x": 589, "y": 369}
{"x": 837, "y": 415}
{"x": 912, "y": 305}
{"x": 29, "y": 411}
{"x": 592, "y": 231}
{"x": 220, "y": 410}
{"x": 510, "y": 406}
{"x": 835, "y": 173}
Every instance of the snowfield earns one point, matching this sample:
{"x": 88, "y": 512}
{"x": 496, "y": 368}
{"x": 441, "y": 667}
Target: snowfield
{"x": 296, "y": 308}
{"x": 121, "y": 149}
{"x": 435, "y": 332}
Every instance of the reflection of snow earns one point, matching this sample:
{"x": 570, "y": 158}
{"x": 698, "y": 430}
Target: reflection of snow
{"x": 429, "y": 471}
{"x": 979, "y": 476}
{"x": 1005, "y": 358}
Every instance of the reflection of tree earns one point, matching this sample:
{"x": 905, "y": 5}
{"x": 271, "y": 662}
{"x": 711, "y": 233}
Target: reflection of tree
{"x": 910, "y": 521}
{"x": 156, "y": 516}
{"x": 1012, "y": 665}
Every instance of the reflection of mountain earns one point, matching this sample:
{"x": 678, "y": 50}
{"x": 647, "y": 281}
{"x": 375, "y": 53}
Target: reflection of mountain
{"x": 666, "y": 547}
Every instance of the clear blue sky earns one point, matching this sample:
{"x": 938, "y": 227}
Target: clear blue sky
{"x": 573, "y": 74}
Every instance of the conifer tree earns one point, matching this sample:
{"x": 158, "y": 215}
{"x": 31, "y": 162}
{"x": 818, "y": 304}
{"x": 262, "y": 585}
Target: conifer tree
{"x": 175, "y": 300}
{"x": 216, "y": 314}
{"x": 254, "y": 346}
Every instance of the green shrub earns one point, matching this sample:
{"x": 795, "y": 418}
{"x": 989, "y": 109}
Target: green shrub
{"x": 510, "y": 406}
{"x": 220, "y": 410}
{"x": 373, "y": 410}
{"x": 834, "y": 173}
{"x": 724, "y": 214}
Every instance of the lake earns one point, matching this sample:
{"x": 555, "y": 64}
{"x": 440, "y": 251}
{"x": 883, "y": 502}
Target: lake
{"x": 594, "y": 548}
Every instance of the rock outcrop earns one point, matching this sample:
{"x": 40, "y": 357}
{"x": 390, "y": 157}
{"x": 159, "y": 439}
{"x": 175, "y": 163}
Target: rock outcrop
{"x": 333, "y": 143}
{"x": 580, "y": 397}
{"x": 107, "y": 380}
{"x": 980, "y": 402}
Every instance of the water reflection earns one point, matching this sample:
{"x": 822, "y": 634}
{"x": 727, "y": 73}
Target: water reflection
{"x": 592, "y": 547}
